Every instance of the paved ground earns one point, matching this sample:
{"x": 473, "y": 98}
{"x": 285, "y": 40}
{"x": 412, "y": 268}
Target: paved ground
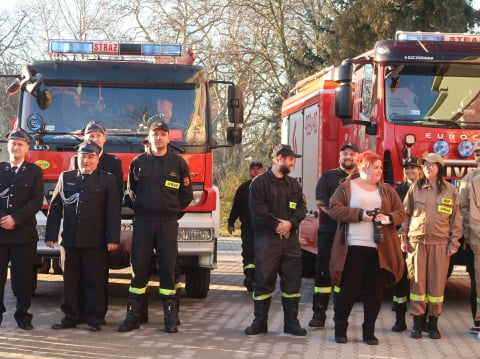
{"x": 213, "y": 327}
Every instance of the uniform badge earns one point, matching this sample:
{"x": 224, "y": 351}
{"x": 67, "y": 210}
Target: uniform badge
{"x": 186, "y": 181}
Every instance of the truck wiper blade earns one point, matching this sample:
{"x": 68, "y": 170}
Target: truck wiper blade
{"x": 453, "y": 121}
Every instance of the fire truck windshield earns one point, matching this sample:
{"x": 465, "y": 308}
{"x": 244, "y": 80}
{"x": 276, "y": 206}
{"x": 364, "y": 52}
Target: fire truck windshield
{"x": 442, "y": 96}
{"x": 126, "y": 113}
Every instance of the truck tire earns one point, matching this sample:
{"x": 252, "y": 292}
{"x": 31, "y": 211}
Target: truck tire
{"x": 197, "y": 282}
{"x": 308, "y": 264}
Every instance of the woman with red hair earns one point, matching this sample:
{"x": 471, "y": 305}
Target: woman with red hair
{"x": 366, "y": 249}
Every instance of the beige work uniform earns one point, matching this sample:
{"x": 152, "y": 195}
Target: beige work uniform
{"x": 433, "y": 226}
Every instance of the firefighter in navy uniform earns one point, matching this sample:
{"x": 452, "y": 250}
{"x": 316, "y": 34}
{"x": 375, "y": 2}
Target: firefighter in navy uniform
{"x": 87, "y": 201}
{"x": 21, "y": 196}
{"x": 95, "y": 132}
{"x": 159, "y": 186}
{"x": 240, "y": 210}
{"x": 277, "y": 206}
{"x": 326, "y": 186}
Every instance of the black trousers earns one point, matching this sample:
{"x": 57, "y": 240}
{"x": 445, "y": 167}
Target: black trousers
{"x": 322, "y": 261}
{"x": 275, "y": 256}
{"x": 22, "y": 265}
{"x": 248, "y": 252}
{"x": 473, "y": 281}
{"x": 361, "y": 266}
{"x": 401, "y": 289}
{"x": 84, "y": 279}
{"x": 159, "y": 234}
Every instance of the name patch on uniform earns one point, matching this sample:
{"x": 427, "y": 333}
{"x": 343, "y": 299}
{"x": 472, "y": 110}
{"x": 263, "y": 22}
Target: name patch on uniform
{"x": 444, "y": 209}
{"x": 293, "y": 205}
{"x": 447, "y": 201}
{"x": 171, "y": 184}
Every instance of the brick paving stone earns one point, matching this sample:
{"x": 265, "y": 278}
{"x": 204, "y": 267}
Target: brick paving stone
{"x": 213, "y": 327}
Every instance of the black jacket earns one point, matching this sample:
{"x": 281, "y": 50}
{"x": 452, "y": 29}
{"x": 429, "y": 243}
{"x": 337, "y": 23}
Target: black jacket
{"x": 91, "y": 221}
{"x": 240, "y": 206}
{"x": 159, "y": 185}
{"x": 22, "y": 198}
{"x": 326, "y": 186}
{"x": 271, "y": 198}
{"x": 108, "y": 163}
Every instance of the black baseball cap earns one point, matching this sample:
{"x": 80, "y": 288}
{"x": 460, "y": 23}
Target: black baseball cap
{"x": 256, "y": 164}
{"x": 93, "y": 126}
{"x": 19, "y": 134}
{"x": 411, "y": 161}
{"x": 159, "y": 126}
{"x": 351, "y": 145}
{"x": 284, "y": 150}
{"x": 90, "y": 148}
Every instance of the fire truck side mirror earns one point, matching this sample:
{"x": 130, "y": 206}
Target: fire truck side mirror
{"x": 235, "y": 104}
{"x": 343, "y": 73}
{"x": 343, "y": 102}
{"x": 234, "y": 135}
{"x": 14, "y": 88}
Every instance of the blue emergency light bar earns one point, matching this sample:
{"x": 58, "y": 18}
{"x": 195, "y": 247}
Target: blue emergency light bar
{"x": 436, "y": 36}
{"x": 114, "y": 48}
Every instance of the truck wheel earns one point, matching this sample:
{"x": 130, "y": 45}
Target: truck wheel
{"x": 197, "y": 282}
{"x": 308, "y": 264}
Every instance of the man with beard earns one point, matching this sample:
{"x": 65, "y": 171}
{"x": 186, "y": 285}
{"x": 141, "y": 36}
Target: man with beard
{"x": 277, "y": 206}
{"x": 326, "y": 186}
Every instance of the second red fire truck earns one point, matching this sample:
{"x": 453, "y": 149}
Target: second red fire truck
{"x": 416, "y": 94}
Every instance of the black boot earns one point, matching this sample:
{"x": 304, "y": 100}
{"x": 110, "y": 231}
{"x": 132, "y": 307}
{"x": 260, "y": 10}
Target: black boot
{"x": 290, "y": 315}
{"x": 433, "y": 329}
{"x": 170, "y": 314}
{"x": 260, "y": 322}
{"x": 320, "y": 305}
{"x": 425, "y": 328}
{"x": 249, "y": 280}
{"x": 368, "y": 334}
{"x": 143, "y": 308}
{"x": 340, "y": 331}
{"x": 132, "y": 319}
{"x": 177, "y": 301}
{"x": 418, "y": 321}
{"x": 400, "y": 323}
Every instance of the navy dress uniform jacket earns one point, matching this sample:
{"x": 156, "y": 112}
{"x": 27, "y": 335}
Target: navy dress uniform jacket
{"x": 91, "y": 221}
{"x": 108, "y": 163}
{"x": 22, "y": 201}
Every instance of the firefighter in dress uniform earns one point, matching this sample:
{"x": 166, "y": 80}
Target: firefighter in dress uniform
{"x": 159, "y": 186}
{"x": 21, "y": 196}
{"x": 95, "y": 132}
{"x": 277, "y": 206}
{"x": 89, "y": 204}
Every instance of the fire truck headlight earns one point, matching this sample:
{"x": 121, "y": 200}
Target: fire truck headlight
{"x": 410, "y": 140}
{"x": 441, "y": 147}
{"x": 197, "y": 197}
{"x": 465, "y": 148}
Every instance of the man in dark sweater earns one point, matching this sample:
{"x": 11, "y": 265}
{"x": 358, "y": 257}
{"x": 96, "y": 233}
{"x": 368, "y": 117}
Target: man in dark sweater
{"x": 241, "y": 211}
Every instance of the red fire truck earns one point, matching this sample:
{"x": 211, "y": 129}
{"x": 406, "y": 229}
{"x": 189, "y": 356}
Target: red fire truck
{"x": 416, "y": 94}
{"x": 95, "y": 81}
